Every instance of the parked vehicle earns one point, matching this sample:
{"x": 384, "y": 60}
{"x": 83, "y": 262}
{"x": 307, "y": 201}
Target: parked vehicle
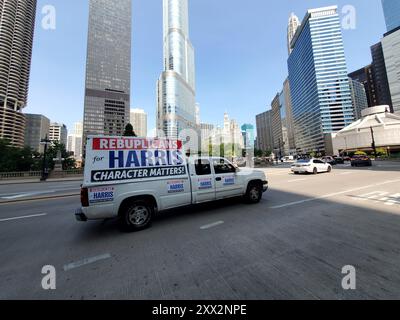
{"x": 314, "y": 166}
{"x": 133, "y": 178}
{"x": 339, "y": 160}
{"x": 360, "y": 161}
{"x": 330, "y": 160}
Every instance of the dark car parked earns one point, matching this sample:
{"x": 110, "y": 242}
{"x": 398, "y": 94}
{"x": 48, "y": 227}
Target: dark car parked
{"x": 339, "y": 160}
{"x": 359, "y": 161}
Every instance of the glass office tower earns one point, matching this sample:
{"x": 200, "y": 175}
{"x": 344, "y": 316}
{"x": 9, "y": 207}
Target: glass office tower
{"x": 319, "y": 86}
{"x": 391, "y": 10}
{"x": 108, "y": 67}
{"x": 176, "y": 86}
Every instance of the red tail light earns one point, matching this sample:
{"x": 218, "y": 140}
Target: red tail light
{"x": 85, "y": 197}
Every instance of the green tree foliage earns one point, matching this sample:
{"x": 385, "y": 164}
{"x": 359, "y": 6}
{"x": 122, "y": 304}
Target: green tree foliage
{"x": 16, "y": 159}
{"x": 52, "y": 152}
{"x": 129, "y": 131}
{"x": 360, "y": 153}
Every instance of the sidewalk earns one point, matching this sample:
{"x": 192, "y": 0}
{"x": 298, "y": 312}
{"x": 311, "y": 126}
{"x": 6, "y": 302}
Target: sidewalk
{"x": 25, "y": 181}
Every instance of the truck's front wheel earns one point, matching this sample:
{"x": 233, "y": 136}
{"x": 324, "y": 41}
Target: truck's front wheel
{"x": 254, "y": 193}
{"x": 136, "y": 216}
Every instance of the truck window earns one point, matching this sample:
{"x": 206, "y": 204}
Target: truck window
{"x": 203, "y": 167}
{"x": 222, "y": 167}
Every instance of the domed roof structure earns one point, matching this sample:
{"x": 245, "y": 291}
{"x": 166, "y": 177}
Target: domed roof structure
{"x": 375, "y": 121}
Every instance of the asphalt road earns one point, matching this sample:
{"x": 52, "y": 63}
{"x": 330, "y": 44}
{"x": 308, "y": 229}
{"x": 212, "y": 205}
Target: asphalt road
{"x": 293, "y": 245}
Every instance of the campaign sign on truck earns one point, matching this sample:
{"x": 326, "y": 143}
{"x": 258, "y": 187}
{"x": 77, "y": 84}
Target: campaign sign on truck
{"x": 117, "y": 159}
{"x": 205, "y": 183}
{"x": 101, "y": 194}
{"x": 176, "y": 186}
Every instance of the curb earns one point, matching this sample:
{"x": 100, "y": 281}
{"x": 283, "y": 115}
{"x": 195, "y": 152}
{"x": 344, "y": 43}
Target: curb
{"x": 40, "y": 198}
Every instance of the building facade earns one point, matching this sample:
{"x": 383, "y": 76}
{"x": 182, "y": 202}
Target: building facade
{"x": 37, "y": 128}
{"x": 366, "y": 77}
{"x": 391, "y": 10}
{"x": 391, "y": 51}
{"x": 138, "y": 120}
{"x": 58, "y": 133}
{"x": 293, "y": 24}
{"x": 382, "y": 89}
{"x": 319, "y": 85}
{"x": 286, "y": 101}
{"x": 264, "y": 131}
{"x": 176, "y": 86}
{"x": 108, "y": 67}
{"x": 358, "y": 97}
{"x": 17, "y": 21}
{"x": 74, "y": 143}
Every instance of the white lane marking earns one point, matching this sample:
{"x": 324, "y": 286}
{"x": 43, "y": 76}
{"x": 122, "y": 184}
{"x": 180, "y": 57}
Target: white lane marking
{"x": 296, "y": 180}
{"x": 38, "y": 193}
{"x": 211, "y": 225}
{"x": 346, "y": 173}
{"x": 86, "y": 261}
{"x": 393, "y": 199}
{"x": 332, "y": 195}
{"x": 24, "y": 217}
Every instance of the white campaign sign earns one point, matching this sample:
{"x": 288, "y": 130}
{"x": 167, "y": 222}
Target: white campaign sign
{"x": 116, "y": 159}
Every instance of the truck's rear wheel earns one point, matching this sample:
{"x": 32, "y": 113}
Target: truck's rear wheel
{"x": 254, "y": 193}
{"x": 136, "y": 216}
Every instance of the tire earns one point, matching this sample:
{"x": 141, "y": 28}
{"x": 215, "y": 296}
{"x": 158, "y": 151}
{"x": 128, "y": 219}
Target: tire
{"x": 315, "y": 171}
{"x": 136, "y": 216}
{"x": 329, "y": 170}
{"x": 254, "y": 193}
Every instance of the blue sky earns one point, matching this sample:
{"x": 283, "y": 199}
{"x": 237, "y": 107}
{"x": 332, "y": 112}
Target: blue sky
{"x": 240, "y": 54}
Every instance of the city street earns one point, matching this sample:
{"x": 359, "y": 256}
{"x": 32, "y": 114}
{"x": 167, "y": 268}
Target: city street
{"x": 293, "y": 245}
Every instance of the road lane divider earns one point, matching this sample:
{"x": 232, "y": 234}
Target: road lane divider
{"x": 86, "y": 261}
{"x": 24, "y": 217}
{"x": 330, "y": 195}
{"x": 211, "y": 225}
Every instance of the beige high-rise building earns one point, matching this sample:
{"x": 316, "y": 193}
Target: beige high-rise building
{"x": 74, "y": 143}
{"x": 139, "y": 122}
{"x": 17, "y": 22}
{"x": 293, "y": 24}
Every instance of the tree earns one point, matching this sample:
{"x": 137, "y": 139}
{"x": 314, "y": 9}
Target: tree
{"x": 52, "y": 153}
{"x": 129, "y": 131}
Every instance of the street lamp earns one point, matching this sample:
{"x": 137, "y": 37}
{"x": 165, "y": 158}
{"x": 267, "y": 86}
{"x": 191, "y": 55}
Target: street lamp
{"x": 45, "y": 170}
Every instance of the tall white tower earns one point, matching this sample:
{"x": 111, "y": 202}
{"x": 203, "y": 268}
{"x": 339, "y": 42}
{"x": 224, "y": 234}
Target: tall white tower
{"x": 176, "y": 85}
{"x": 294, "y": 23}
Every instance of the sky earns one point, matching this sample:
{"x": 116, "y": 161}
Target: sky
{"x": 240, "y": 47}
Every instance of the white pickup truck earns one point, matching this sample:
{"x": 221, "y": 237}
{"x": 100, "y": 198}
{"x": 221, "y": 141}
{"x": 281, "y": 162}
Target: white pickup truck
{"x": 133, "y": 178}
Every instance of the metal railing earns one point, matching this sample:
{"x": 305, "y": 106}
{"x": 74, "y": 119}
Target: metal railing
{"x": 36, "y": 174}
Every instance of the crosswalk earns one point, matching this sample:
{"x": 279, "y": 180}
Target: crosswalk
{"x": 387, "y": 198}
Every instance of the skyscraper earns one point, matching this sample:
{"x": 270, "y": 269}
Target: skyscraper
{"x": 359, "y": 98}
{"x": 264, "y": 131}
{"x": 391, "y": 51}
{"x": 108, "y": 67}
{"x": 37, "y": 128}
{"x": 17, "y": 21}
{"x": 382, "y": 89}
{"x": 74, "y": 143}
{"x": 366, "y": 77}
{"x": 139, "y": 122}
{"x": 391, "y": 10}
{"x": 176, "y": 85}
{"x": 293, "y": 25}
{"x": 319, "y": 86}
{"x": 58, "y": 133}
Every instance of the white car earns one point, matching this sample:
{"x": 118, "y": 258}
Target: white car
{"x": 314, "y": 166}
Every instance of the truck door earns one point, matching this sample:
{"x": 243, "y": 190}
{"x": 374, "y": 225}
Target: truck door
{"x": 226, "y": 179}
{"x": 203, "y": 182}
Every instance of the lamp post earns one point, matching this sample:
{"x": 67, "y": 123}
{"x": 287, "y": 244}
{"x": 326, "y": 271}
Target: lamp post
{"x": 373, "y": 142}
{"x": 45, "y": 171}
